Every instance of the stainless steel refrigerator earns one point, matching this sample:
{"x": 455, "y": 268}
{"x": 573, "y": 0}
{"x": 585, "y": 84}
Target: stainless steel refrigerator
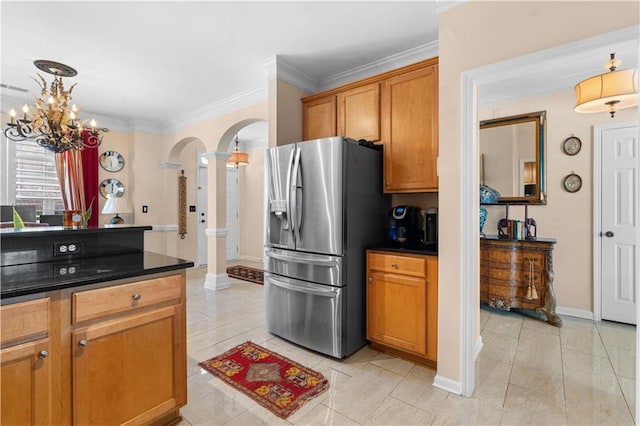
{"x": 325, "y": 206}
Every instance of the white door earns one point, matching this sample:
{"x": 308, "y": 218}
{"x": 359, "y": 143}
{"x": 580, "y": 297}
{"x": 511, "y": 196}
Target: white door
{"x": 201, "y": 200}
{"x": 232, "y": 213}
{"x": 619, "y": 221}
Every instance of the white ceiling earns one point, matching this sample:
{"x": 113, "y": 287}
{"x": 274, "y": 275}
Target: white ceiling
{"x": 152, "y": 63}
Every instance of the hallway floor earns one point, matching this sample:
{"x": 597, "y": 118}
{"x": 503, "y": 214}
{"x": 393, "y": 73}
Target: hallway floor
{"x": 528, "y": 372}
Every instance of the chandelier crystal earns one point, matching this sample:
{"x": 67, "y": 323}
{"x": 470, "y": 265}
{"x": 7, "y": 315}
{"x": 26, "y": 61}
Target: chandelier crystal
{"x": 52, "y": 122}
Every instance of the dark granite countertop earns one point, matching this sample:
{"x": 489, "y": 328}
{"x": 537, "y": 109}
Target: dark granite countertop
{"x": 430, "y": 249}
{"x": 31, "y": 278}
{"x": 539, "y": 239}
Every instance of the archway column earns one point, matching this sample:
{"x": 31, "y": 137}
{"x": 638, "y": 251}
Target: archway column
{"x": 216, "y": 278}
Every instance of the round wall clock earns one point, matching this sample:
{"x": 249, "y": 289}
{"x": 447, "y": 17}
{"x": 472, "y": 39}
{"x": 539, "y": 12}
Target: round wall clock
{"x": 111, "y": 161}
{"x": 111, "y": 188}
{"x": 571, "y": 145}
{"x": 572, "y": 182}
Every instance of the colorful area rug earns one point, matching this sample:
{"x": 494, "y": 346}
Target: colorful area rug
{"x": 245, "y": 273}
{"x": 277, "y": 383}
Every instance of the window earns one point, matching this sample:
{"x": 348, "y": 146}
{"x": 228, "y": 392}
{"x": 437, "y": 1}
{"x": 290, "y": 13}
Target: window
{"x": 36, "y": 180}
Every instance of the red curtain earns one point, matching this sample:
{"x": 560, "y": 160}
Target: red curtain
{"x": 90, "y": 175}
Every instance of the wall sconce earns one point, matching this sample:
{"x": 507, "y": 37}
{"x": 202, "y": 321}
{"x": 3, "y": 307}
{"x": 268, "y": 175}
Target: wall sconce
{"x": 611, "y": 91}
{"x": 116, "y": 205}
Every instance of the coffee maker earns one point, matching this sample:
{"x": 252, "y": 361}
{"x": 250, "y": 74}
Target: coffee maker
{"x": 405, "y": 226}
{"x": 431, "y": 231}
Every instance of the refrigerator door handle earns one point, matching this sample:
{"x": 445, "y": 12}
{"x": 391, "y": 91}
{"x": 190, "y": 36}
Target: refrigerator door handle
{"x": 289, "y": 216}
{"x": 327, "y": 261}
{"x": 295, "y": 217}
{"x": 329, "y": 292}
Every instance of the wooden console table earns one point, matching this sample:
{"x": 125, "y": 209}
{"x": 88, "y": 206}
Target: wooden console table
{"x": 518, "y": 274}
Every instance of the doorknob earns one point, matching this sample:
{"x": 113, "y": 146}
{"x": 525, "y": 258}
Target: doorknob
{"x": 607, "y": 234}
{"x": 202, "y": 221}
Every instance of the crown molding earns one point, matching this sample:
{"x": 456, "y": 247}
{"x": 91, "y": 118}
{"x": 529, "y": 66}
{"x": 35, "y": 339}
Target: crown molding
{"x": 233, "y": 103}
{"x": 444, "y": 5}
{"x": 277, "y": 67}
{"x": 406, "y": 57}
{"x": 216, "y": 155}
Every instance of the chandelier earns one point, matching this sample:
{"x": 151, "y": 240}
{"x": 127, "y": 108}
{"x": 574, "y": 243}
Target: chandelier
{"x": 51, "y": 122}
{"x": 610, "y": 92}
{"x": 238, "y": 158}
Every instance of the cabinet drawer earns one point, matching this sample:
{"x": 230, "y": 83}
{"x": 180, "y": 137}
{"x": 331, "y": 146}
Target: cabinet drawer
{"x": 92, "y": 304}
{"x": 517, "y": 257}
{"x": 25, "y": 319}
{"x": 414, "y": 266}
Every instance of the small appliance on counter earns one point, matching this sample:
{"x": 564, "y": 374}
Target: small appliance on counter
{"x": 405, "y": 227}
{"x": 431, "y": 226}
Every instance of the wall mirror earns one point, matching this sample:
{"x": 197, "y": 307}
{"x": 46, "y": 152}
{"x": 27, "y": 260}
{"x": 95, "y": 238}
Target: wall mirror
{"x": 512, "y": 157}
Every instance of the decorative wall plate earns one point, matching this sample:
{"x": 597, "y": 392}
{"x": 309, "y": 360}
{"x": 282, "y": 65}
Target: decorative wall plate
{"x": 111, "y": 161}
{"x": 572, "y": 182}
{"x": 111, "y": 188}
{"x": 571, "y": 145}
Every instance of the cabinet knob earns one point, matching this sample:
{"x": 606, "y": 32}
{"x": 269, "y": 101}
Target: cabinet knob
{"x": 136, "y": 296}
{"x": 393, "y": 265}
{"x": 43, "y": 354}
{"x": 82, "y": 342}
{"x": 370, "y": 279}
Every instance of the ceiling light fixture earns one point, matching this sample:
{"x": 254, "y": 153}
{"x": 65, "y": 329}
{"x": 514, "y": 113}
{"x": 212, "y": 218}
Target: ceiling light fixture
{"x": 51, "y": 121}
{"x": 238, "y": 158}
{"x": 610, "y": 91}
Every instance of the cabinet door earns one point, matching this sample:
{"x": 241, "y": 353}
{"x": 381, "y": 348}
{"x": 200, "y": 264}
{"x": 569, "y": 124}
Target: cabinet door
{"x": 359, "y": 113}
{"x": 410, "y": 131}
{"x": 25, "y": 384}
{"x": 129, "y": 369}
{"x": 319, "y": 118}
{"x": 432, "y": 308}
{"x": 396, "y": 310}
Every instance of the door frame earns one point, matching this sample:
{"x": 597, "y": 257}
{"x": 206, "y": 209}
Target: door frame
{"x": 202, "y": 204}
{"x": 236, "y": 189}
{"x": 596, "y": 209}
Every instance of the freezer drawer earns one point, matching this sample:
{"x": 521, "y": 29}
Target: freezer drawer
{"x": 305, "y": 313}
{"x": 317, "y": 268}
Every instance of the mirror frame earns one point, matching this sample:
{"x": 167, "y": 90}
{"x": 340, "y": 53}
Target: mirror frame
{"x": 540, "y": 118}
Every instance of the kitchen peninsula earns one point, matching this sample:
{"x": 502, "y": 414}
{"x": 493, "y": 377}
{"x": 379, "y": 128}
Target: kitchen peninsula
{"x": 92, "y": 328}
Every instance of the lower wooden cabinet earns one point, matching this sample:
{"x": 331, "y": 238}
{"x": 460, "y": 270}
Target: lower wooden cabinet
{"x": 98, "y": 355}
{"x": 25, "y": 364}
{"x": 402, "y": 302}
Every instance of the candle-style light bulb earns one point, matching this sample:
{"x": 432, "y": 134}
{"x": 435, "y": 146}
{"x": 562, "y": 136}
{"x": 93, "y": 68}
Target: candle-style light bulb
{"x": 51, "y": 100}
{"x": 25, "y": 110}
{"x": 93, "y": 124}
{"x": 12, "y": 114}
{"x": 72, "y": 115}
{"x": 74, "y": 108}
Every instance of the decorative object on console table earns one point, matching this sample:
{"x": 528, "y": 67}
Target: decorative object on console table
{"x": 488, "y": 195}
{"x": 529, "y": 223}
{"x": 519, "y": 274}
{"x": 503, "y": 225}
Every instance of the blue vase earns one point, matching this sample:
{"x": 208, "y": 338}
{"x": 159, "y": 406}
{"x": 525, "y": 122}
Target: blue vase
{"x": 488, "y": 195}
{"x": 483, "y": 219}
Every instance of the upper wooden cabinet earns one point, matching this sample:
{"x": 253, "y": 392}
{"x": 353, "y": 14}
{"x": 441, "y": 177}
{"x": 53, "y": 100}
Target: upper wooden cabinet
{"x": 398, "y": 109}
{"x": 319, "y": 118}
{"x": 359, "y": 112}
{"x": 410, "y": 131}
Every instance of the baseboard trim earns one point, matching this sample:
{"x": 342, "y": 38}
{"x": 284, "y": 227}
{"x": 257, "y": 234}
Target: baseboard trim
{"x": 478, "y": 347}
{"x": 216, "y": 282}
{"x": 251, "y": 259}
{"x": 571, "y": 312}
{"x": 448, "y": 385}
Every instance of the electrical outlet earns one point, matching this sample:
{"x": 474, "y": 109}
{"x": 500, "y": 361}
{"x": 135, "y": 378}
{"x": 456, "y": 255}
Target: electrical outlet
{"x": 66, "y": 248}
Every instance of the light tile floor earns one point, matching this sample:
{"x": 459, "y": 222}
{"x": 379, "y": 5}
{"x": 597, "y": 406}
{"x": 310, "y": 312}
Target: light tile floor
{"x": 528, "y": 372}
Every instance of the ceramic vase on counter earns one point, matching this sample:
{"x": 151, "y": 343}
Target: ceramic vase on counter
{"x": 488, "y": 195}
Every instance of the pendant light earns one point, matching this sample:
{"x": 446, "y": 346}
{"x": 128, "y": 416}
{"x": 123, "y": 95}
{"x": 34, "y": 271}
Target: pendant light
{"x": 610, "y": 92}
{"x": 238, "y": 158}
